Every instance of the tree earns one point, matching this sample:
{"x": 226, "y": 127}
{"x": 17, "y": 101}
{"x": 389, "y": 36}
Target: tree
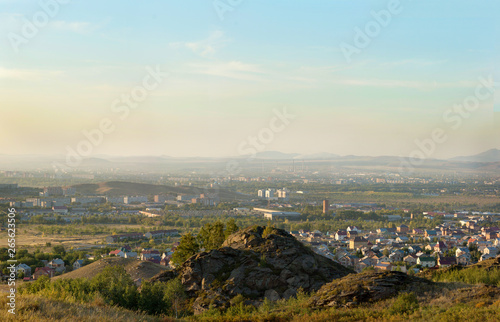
{"x": 211, "y": 236}
{"x": 188, "y": 246}
{"x": 175, "y": 294}
{"x": 231, "y": 227}
{"x": 116, "y": 286}
{"x": 152, "y": 299}
{"x": 59, "y": 250}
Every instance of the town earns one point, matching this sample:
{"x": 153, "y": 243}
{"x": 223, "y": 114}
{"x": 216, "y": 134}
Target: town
{"x": 383, "y": 236}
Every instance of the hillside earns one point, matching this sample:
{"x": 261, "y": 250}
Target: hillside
{"x": 41, "y": 309}
{"x": 368, "y": 287}
{"x": 135, "y": 268}
{"x": 121, "y": 188}
{"x": 264, "y": 274}
{"x": 492, "y": 155}
{"x": 256, "y": 263}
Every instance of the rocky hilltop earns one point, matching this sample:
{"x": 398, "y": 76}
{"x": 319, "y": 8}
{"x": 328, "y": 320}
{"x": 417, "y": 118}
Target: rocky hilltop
{"x": 366, "y": 287}
{"x": 257, "y": 263}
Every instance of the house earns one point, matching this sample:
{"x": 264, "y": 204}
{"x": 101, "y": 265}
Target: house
{"x": 57, "y": 264}
{"x": 462, "y": 250}
{"x": 357, "y": 242}
{"x": 382, "y": 231}
{"x": 402, "y": 229}
{"x": 362, "y": 264}
{"x": 491, "y": 235}
{"x": 165, "y": 261}
{"x": 156, "y": 260}
{"x": 130, "y": 255}
{"x": 353, "y": 228}
{"x": 472, "y": 241}
{"x": 348, "y": 260}
{"x": 485, "y": 257}
{"x": 426, "y": 261}
{"x": 463, "y": 259}
{"x": 490, "y": 251}
{"x": 340, "y": 252}
{"x": 78, "y": 264}
{"x": 150, "y": 253}
{"x": 383, "y": 258}
{"x": 417, "y": 231}
{"x": 402, "y": 239}
{"x": 430, "y": 234}
{"x": 23, "y": 268}
{"x": 446, "y": 261}
{"x": 410, "y": 259}
{"x": 60, "y": 209}
{"x": 367, "y": 252}
{"x": 414, "y": 249}
{"x": 117, "y": 253}
{"x": 351, "y": 234}
{"x": 383, "y": 266}
{"x": 440, "y": 247}
{"x": 43, "y": 271}
{"x": 341, "y": 234}
{"x": 126, "y": 248}
{"x": 396, "y": 256}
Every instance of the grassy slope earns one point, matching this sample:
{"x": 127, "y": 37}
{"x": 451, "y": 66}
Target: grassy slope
{"x": 136, "y": 268}
{"x": 34, "y": 308}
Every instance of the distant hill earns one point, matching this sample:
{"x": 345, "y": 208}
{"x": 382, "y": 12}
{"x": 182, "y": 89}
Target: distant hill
{"x": 492, "y": 155}
{"x": 136, "y": 269}
{"x": 121, "y": 188}
{"x": 275, "y": 155}
{"x": 318, "y": 156}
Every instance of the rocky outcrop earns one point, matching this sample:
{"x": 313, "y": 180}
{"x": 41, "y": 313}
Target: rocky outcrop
{"x": 366, "y": 287}
{"x": 257, "y": 264}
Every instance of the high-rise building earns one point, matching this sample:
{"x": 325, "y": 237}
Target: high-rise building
{"x": 326, "y": 206}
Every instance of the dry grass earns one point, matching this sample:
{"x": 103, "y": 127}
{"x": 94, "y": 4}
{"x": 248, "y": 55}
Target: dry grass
{"x": 33, "y": 308}
{"x": 29, "y": 238}
{"x": 135, "y": 268}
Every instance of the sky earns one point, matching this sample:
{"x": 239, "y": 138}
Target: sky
{"x": 231, "y": 77}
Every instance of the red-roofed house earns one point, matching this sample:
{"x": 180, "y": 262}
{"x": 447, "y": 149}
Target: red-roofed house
{"x": 118, "y": 253}
{"x": 43, "y": 271}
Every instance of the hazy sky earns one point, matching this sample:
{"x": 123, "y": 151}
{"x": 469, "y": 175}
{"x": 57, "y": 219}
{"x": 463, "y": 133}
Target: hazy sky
{"x": 359, "y": 77}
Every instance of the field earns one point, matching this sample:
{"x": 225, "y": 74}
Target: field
{"x": 30, "y": 236}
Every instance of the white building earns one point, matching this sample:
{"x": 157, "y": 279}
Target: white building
{"x": 138, "y": 199}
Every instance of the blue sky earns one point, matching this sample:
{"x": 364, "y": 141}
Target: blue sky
{"x": 227, "y": 77}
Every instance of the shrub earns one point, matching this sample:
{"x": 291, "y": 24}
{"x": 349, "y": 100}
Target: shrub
{"x": 406, "y": 303}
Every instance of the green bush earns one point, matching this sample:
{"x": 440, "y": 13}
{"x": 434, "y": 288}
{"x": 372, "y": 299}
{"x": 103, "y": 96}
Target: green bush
{"x": 406, "y": 303}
